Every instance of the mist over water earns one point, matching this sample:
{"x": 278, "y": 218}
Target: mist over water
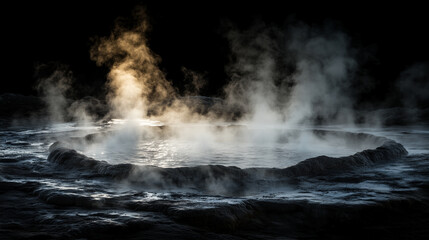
{"x": 246, "y": 148}
{"x": 285, "y": 81}
{"x": 280, "y": 78}
{"x": 292, "y": 77}
{"x": 53, "y": 89}
{"x": 286, "y": 76}
{"x": 283, "y": 148}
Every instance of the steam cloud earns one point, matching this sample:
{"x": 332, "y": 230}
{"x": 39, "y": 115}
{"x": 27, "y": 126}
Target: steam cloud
{"x": 135, "y": 81}
{"x": 53, "y": 90}
{"x": 195, "y": 81}
{"x": 287, "y": 78}
{"x": 298, "y": 74}
{"x": 278, "y": 78}
{"x": 290, "y": 78}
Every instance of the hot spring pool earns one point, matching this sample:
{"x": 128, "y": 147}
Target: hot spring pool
{"x": 243, "y": 147}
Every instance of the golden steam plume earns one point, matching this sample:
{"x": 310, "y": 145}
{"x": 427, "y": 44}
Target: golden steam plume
{"x": 136, "y": 84}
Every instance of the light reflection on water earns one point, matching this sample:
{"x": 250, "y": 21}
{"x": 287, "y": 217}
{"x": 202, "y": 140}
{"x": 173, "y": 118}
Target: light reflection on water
{"x": 201, "y": 146}
{"x": 178, "y": 153}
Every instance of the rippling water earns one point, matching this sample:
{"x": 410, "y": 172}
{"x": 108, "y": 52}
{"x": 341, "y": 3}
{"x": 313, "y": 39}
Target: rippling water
{"x": 40, "y": 198}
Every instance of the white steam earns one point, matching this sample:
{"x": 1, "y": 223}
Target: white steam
{"x": 324, "y": 71}
{"x": 53, "y": 90}
{"x": 280, "y": 80}
{"x": 291, "y": 78}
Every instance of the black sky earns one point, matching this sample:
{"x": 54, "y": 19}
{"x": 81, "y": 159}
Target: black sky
{"x": 190, "y": 35}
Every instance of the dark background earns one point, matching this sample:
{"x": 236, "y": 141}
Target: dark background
{"x": 190, "y": 35}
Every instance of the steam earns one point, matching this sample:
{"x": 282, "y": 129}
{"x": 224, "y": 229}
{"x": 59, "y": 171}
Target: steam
{"x": 253, "y": 87}
{"x": 325, "y": 68}
{"x": 53, "y": 90}
{"x": 57, "y": 90}
{"x": 195, "y": 81}
{"x": 279, "y": 76}
{"x": 278, "y": 79}
{"x": 135, "y": 82}
{"x": 86, "y": 110}
{"x": 297, "y": 77}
